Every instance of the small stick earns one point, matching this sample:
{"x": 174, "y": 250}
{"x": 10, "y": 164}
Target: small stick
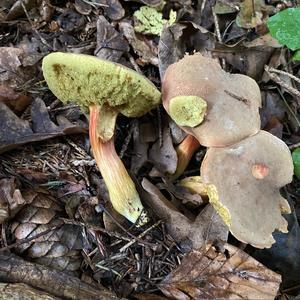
{"x": 277, "y": 79}
{"x": 139, "y": 236}
{"x": 284, "y": 73}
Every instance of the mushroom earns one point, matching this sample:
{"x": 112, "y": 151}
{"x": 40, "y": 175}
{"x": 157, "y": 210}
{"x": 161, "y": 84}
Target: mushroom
{"x": 105, "y": 89}
{"x": 216, "y": 107}
{"x": 244, "y": 181}
{"x": 185, "y": 150}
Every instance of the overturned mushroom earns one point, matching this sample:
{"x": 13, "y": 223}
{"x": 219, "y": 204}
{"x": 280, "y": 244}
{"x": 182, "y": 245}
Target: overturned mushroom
{"x": 244, "y": 181}
{"x": 105, "y": 89}
{"x": 216, "y": 107}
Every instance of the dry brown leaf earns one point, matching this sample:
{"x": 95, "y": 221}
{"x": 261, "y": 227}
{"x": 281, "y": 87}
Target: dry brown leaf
{"x": 143, "y": 135}
{"x": 175, "y": 41}
{"x": 208, "y": 274}
{"x": 164, "y": 157}
{"x": 15, "y": 131}
{"x": 110, "y": 43}
{"x": 207, "y": 227}
{"x": 113, "y": 9}
{"x": 153, "y": 3}
{"x": 253, "y": 13}
{"x": 247, "y": 60}
{"x": 16, "y": 101}
{"x": 144, "y": 48}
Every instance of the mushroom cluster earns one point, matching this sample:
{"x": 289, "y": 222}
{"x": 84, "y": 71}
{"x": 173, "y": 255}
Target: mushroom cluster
{"x": 244, "y": 167}
{"x": 105, "y": 89}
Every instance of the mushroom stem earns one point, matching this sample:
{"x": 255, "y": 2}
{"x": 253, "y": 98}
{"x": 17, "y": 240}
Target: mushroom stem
{"x": 122, "y": 192}
{"x": 185, "y": 151}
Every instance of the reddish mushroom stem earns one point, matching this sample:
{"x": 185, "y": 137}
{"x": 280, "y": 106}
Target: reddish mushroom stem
{"x": 122, "y": 191}
{"x": 185, "y": 151}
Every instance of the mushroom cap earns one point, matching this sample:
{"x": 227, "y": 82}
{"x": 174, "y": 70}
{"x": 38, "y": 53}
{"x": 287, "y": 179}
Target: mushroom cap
{"x": 233, "y": 100}
{"x": 250, "y": 205}
{"x": 88, "y": 80}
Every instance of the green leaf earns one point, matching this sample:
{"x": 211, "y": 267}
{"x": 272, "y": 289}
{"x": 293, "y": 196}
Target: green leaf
{"x": 296, "y": 161}
{"x": 285, "y": 27}
{"x": 296, "y": 56}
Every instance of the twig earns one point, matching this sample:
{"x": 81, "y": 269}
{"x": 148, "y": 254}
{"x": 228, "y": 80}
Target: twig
{"x": 277, "y": 79}
{"x": 284, "y": 73}
{"x": 139, "y": 236}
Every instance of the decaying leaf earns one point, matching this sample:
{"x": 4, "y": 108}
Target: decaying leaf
{"x": 152, "y": 3}
{"x": 11, "y": 200}
{"x": 207, "y": 227}
{"x": 247, "y": 60}
{"x": 283, "y": 257}
{"x": 143, "y": 135}
{"x": 164, "y": 157}
{"x": 110, "y": 43}
{"x": 252, "y": 13}
{"x": 177, "y": 39}
{"x": 113, "y": 9}
{"x": 16, "y": 101}
{"x": 143, "y": 47}
{"x": 209, "y": 274}
{"x": 15, "y": 131}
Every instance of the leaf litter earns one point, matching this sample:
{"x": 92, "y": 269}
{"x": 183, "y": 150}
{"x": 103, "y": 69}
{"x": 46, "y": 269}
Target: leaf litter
{"x": 54, "y": 208}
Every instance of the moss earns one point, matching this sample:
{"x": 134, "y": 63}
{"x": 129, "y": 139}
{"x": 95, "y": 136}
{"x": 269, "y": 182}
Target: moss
{"x": 88, "y": 80}
{"x": 221, "y": 209}
{"x": 187, "y": 110}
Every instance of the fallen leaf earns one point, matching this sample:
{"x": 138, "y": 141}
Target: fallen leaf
{"x": 272, "y": 106}
{"x": 15, "y": 132}
{"x": 249, "y": 61}
{"x": 82, "y": 7}
{"x": 110, "y": 43}
{"x": 17, "y": 9}
{"x": 207, "y": 227}
{"x": 283, "y": 257}
{"x": 264, "y": 40}
{"x": 144, "y": 48}
{"x": 208, "y": 274}
{"x": 164, "y": 156}
{"x": 113, "y": 9}
{"x": 70, "y": 21}
{"x": 177, "y": 39}
{"x": 16, "y": 101}
{"x": 253, "y": 13}
{"x": 143, "y": 135}
{"x": 11, "y": 200}
{"x": 152, "y": 3}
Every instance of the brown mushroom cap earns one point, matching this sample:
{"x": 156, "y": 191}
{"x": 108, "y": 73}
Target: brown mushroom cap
{"x": 247, "y": 177}
{"x": 233, "y": 100}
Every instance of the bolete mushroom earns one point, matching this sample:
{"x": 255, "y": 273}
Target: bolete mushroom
{"x": 244, "y": 181}
{"x": 105, "y": 89}
{"x": 216, "y": 107}
{"x": 185, "y": 150}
